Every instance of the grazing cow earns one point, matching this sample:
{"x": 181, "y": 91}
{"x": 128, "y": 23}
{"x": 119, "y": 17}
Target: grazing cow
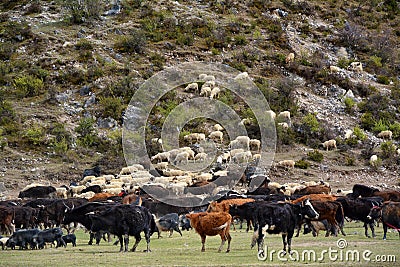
{"x": 48, "y": 236}
{"x": 123, "y": 221}
{"x": 358, "y": 209}
{"x": 70, "y": 238}
{"x": 24, "y": 217}
{"x": 363, "y": 191}
{"x": 101, "y": 196}
{"x": 320, "y": 197}
{"x": 93, "y": 188}
{"x": 22, "y": 238}
{"x": 224, "y": 205}
{"x": 331, "y": 211}
{"x": 168, "y": 223}
{"x": 80, "y": 215}
{"x": 56, "y": 210}
{"x": 38, "y": 192}
{"x": 211, "y": 224}
{"x": 314, "y": 189}
{"x": 280, "y": 218}
{"x": 389, "y": 213}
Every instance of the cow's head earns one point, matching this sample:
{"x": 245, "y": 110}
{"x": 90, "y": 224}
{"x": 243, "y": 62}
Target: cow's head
{"x": 374, "y": 213}
{"x": 308, "y": 210}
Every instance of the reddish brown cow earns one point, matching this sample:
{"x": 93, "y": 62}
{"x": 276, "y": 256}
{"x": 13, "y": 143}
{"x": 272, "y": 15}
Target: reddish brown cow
{"x": 314, "y": 189}
{"x": 332, "y": 212}
{"x": 320, "y": 197}
{"x": 224, "y": 205}
{"x": 211, "y": 224}
{"x": 6, "y": 218}
{"x": 100, "y": 197}
{"x": 132, "y": 198}
{"x": 388, "y": 195}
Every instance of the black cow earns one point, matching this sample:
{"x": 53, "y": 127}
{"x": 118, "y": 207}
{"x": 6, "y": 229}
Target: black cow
{"x": 123, "y": 221}
{"x": 22, "y": 238}
{"x": 96, "y": 171}
{"x": 168, "y": 222}
{"x": 244, "y": 212}
{"x": 70, "y": 238}
{"x": 363, "y": 191}
{"x": 93, "y": 188}
{"x": 280, "y": 218}
{"x": 25, "y": 217}
{"x": 184, "y": 223}
{"x": 389, "y": 213}
{"x": 48, "y": 236}
{"x": 358, "y": 209}
{"x": 39, "y": 205}
{"x": 38, "y": 192}
{"x": 80, "y": 215}
{"x": 56, "y": 210}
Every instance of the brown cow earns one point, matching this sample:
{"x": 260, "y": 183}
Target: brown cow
{"x": 388, "y": 195}
{"x": 224, "y": 205}
{"x": 314, "y": 189}
{"x": 100, "y": 197}
{"x": 132, "y": 198}
{"x": 332, "y": 212}
{"x": 211, "y": 224}
{"x": 6, "y": 220}
{"x": 320, "y": 197}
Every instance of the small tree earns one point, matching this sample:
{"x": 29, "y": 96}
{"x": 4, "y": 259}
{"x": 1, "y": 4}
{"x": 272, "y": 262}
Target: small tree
{"x": 87, "y": 132}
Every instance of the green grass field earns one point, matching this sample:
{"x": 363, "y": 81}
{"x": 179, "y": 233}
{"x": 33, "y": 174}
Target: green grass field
{"x": 185, "y": 251}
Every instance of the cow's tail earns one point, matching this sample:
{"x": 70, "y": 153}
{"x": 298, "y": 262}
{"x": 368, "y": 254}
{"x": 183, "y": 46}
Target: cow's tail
{"x": 222, "y": 226}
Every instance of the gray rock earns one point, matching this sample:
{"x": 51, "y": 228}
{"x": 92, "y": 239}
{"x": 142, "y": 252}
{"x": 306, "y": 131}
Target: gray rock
{"x": 85, "y": 90}
{"x": 90, "y": 101}
{"x": 106, "y": 123}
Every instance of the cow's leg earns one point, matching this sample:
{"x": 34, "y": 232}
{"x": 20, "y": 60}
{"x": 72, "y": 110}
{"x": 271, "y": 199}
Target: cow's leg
{"x": 138, "y": 238}
{"x": 229, "y": 242}
{"x": 366, "y": 230}
{"x": 385, "y": 228}
{"x": 121, "y": 241}
{"x": 170, "y": 232}
{"x": 284, "y": 242}
{"x": 289, "y": 241}
{"x": 147, "y": 236}
{"x": 203, "y": 242}
{"x": 126, "y": 240}
{"x": 223, "y": 239}
{"x": 371, "y": 225}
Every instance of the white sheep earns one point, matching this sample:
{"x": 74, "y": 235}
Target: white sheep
{"x": 244, "y": 141}
{"x": 245, "y": 121}
{"x": 205, "y": 91}
{"x": 256, "y": 157}
{"x": 242, "y": 157}
{"x": 255, "y": 144}
{"x": 182, "y": 157}
{"x": 200, "y": 156}
{"x": 198, "y": 137}
{"x": 178, "y": 188}
{"x": 233, "y": 152}
{"x": 385, "y": 134}
{"x": 161, "y": 165}
{"x": 329, "y": 144}
{"x": 161, "y": 157}
{"x": 242, "y": 76}
{"x": 288, "y": 163}
{"x": 271, "y": 114}
{"x": 192, "y": 86}
{"x": 139, "y": 181}
{"x": 218, "y": 127}
{"x": 202, "y": 76}
{"x": 87, "y": 179}
{"x": 309, "y": 183}
{"x": 284, "y": 116}
{"x": 355, "y": 66}
{"x": 208, "y": 78}
{"x": 173, "y": 172}
{"x": 76, "y": 189}
{"x": 284, "y": 125}
{"x": 86, "y": 195}
{"x": 348, "y": 134}
{"x": 398, "y": 151}
{"x": 373, "y": 160}
{"x": 203, "y": 177}
{"x": 215, "y": 92}
{"x": 61, "y": 192}
{"x": 187, "y": 150}
{"x": 156, "y": 141}
{"x": 216, "y": 136}
{"x": 334, "y": 69}
{"x": 289, "y": 58}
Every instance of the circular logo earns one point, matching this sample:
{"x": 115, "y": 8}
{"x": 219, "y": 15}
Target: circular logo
{"x": 199, "y": 105}
{"x": 341, "y": 243}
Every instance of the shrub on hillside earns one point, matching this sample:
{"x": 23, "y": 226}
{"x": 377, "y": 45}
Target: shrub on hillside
{"x": 28, "y": 86}
{"x": 315, "y": 156}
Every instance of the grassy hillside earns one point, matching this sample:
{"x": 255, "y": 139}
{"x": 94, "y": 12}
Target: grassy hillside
{"x": 68, "y": 72}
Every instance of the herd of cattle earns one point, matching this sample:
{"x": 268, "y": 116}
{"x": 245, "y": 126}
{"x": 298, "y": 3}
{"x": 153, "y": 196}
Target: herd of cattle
{"x": 40, "y": 220}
